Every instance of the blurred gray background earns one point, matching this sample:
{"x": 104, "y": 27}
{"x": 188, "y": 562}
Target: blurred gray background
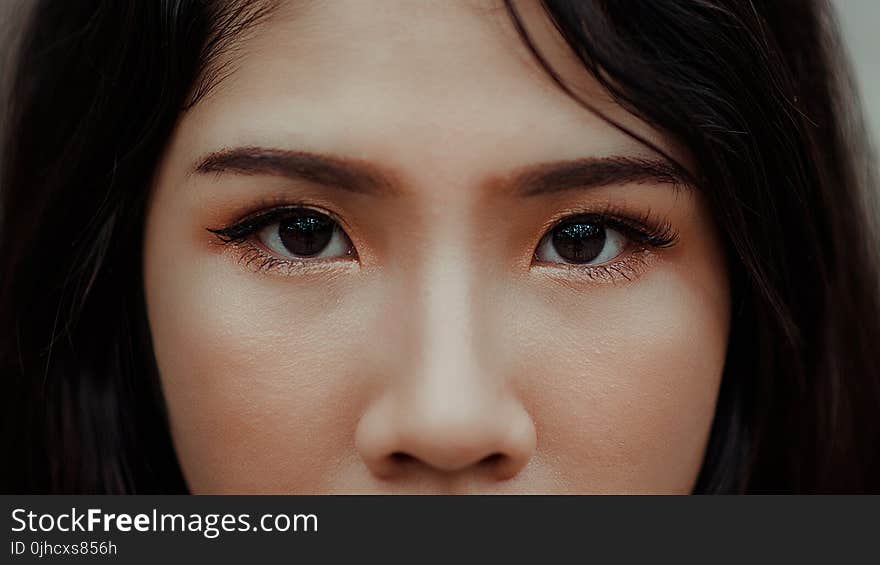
{"x": 858, "y": 21}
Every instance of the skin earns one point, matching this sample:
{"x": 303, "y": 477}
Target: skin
{"x": 442, "y": 358}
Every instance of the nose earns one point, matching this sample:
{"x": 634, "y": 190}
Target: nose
{"x": 445, "y": 434}
{"x": 450, "y": 411}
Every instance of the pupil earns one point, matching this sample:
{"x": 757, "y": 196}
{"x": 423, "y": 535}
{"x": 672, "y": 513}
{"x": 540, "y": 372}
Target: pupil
{"x": 579, "y": 242}
{"x": 305, "y": 235}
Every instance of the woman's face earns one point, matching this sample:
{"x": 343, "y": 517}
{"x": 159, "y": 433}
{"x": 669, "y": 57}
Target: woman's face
{"x": 430, "y": 270}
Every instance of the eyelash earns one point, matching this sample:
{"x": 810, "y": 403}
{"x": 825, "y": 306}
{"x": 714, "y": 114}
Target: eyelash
{"x": 249, "y": 225}
{"x": 644, "y": 228}
{"x": 643, "y": 232}
{"x": 253, "y": 256}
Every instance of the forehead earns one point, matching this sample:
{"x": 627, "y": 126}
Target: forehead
{"x": 409, "y": 84}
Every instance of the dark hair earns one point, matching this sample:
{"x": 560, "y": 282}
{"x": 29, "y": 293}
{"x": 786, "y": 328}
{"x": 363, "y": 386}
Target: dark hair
{"x": 758, "y": 93}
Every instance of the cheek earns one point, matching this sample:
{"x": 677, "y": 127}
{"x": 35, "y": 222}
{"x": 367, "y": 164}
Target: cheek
{"x": 258, "y": 373}
{"x": 624, "y": 382}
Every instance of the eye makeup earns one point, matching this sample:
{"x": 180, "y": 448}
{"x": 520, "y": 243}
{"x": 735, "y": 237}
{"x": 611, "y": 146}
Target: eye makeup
{"x": 638, "y": 236}
{"x": 300, "y": 227}
{"x": 605, "y": 243}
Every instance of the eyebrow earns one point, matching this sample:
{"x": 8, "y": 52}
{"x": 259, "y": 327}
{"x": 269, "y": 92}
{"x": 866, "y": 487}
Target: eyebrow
{"x": 326, "y": 170}
{"x": 359, "y": 176}
{"x": 594, "y": 172}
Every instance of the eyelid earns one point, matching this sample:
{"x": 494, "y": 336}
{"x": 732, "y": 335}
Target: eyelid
{"x": 626, "y": 269}
{"x": 238, "y": 236}
{"x": 252, "y": 222}
{"x": 645, "y": 233}
{"x": 660, "y": 231}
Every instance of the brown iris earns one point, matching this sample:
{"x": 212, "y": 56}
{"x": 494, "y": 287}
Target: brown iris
{"x": 306, "y": 234}
{"x": 579, "y": 241}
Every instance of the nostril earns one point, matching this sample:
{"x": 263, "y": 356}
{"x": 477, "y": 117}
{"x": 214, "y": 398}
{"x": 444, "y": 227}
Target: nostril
{"x": 401, "y": 458}
{"x": 492, "y": 460}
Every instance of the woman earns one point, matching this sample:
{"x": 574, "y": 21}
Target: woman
{"x": 437, "y": 247}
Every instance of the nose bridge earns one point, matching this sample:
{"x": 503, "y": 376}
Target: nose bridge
{"x": 450, "y": 399}
{"x": 451, "y": 331}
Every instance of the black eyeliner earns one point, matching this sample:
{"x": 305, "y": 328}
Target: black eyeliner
{"x": 246, "y": 227}
{"x": 643, "y": 230}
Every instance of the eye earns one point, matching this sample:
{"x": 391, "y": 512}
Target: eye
{"x": 581, "y": 241}
{"x": 305, "y": 234}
